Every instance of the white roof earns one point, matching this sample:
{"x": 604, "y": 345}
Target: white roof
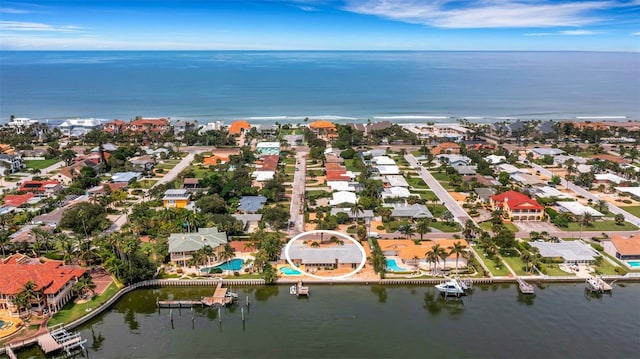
{"x": 343, "y": 197}
{"x": 396, "y": 192}
{"x": 526, "y": 178}
{"x": 633, "y": 190}
{"x": 510, "y": 169}
{"x": 564, "y": 158}
{"x": 578, "y": 209}
{"x": 397, "y": 181}
{"x": 268, "y": 145}
{"x": 569, "y": 250}
{"x": 583, "y": 168}
{"x": 546, "y": 192}
{"x": 547, "y": 151}
{"x": 610, "y": 177}
{"x": 262, "y": 176}
{"x": 383, "y": 160}
{"x": 388, "y": 170}
{"x": 494, "y": 160}
{"x": 453, "y": 158}
{"x": 341, "y": 186}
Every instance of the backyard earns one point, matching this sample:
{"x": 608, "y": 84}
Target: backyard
{"x": 40, "y": 164}
{"x": 497, "y": 269}
{"x": 72, "y": 311}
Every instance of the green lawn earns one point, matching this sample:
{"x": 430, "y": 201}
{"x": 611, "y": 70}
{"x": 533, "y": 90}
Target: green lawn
{"x": 605, "y": 225}
{"x": 429, "y": 196}
{"x": 416, "y": 182}
{"x": 553, "y": 270}
{"x": 446, "y": 227}
{"x": 516, "y": 264}
{"x": 40, "y": 164}
{"x": 349, "y": 165}
{"x": 444, "y": 180}
{"x": 635, "y": 210}
{"x": 72, "y": 311}
{"x": 487, "y": 225}
{"x": 497, "y": 269}
{"x": 146, "y": 184}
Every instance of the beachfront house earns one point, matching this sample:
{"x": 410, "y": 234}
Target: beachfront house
{"x": 53, "y": 283}
{"x": 182, "y": 246}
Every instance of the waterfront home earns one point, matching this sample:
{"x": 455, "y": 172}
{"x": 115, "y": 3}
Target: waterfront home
{"x": 346, "y": 256}
{"x": 414, "y": 254}
{"x": 183, "y": 245}
{"x": 52, "y": 281}
{"x": 148, "y": 125}
{"x": 177, "y": 198}
{"x": 517, "y": 206}
{"x": 79, "y": 127}
{"x": 114, "y": 127}
{"x": 182, "y": 126}
{"x": 623, "y": 247}
{"x": 324, "y": 129}
{"x": 238, "y": 127}
{"x": 571, "y": 252}
{"x": 19, "y": 200}
{"x": 450, "y": 131}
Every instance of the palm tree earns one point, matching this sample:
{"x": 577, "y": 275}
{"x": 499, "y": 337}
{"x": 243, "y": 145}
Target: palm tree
{"x": 4, "y": 241}
{"x": 407, "y": 230}
{"x": 24, "y": 298}
{"x": 422, "y": 227}
{"x": 68, "y": 156}
{"x": 602, "y": 205}
{"x": 447, "y": 216}
{"x": 457, "y": 249}
{"x": 356, "y": 209}
{"x": 587, "y": 218}
{"x": 469, "y": 229}
{"x": 42, "y": 238}
{"x": 84, "y": 285}
{"x": 432, "y": 257}
{"x": 526, "y": 257}
{"x": 315, "y": 244}
{"x": 227, "y": 253}
{"x": 439, "y": 253}
{"x": 248, "y": 245}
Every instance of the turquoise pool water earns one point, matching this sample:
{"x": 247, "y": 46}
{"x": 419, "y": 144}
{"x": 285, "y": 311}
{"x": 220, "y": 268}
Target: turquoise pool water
{"x": 634, "y": 264}
{"x": 232, "y": 265}
{"x": 393, "y": 267}
{"x": 289, "y": 271}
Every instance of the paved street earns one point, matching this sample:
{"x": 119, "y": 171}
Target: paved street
{"x": 458, "y": 212}
{"x": 298, "y": 188}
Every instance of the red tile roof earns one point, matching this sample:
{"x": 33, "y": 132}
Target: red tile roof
{"x": 337, "y": 176}
{"x": 17, "y": 200}
{"x": 516, "y": 200}
{"x": 38, "y": 186}
{"x": 626, "y": 245}
{"x": 270, "y": 163}
{"x": 238, "y": 126}
{"x": 49, "y": 277}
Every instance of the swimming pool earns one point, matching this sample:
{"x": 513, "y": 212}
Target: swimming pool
{"x": 393, "y": 267}
{"x": 633, "y": 264}
{"x": 289, "y": 271}
{"x": 232, "y": 265}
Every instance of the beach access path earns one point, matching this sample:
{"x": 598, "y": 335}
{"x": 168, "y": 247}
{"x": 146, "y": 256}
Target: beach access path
{"x": 297, "y": 192}
{"x": 452, "y": 205}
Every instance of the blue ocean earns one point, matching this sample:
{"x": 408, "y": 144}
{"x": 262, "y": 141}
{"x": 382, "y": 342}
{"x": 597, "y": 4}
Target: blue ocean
{"x": 287, "y": 86}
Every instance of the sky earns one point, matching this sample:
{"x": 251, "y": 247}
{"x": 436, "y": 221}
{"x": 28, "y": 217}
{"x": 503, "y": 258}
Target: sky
{"x": 522, "y": 25}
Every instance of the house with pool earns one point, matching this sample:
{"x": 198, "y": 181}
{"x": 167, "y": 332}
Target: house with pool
{"x": 347, "y": 256}
{"x": 624, "y": 248}
{"x": 405, "y": 255}
{"x": 183, "y": 245}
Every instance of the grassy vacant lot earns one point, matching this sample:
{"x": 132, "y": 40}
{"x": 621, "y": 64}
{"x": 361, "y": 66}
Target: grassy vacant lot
{"x": 146, "y": 184}
{"x": 635, "y": 210}
{"x": 497, "y": 269}
{"x": 446, "y": 227}
{"x": 428, "y": 195}
{"x": 416, "y": 182}
{"x": 72, "y": 311}
{"x": 40, "y": 164}
{"x": 606, "y": 225}
{"x": 487, "y": 226}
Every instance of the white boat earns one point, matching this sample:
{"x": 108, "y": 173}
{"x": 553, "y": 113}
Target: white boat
{"x": 293, "y": 290}
{"x": 450, "y": 287}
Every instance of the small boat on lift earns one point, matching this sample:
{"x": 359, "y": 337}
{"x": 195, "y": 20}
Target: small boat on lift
{"x": 450, "y": 287}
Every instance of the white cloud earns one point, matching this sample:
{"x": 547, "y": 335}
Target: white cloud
{"x": 10, "y": 10}
{"x": 483, "y": 13}
{"x": 34, "y": 26}
{"x": 635, "y": 33}
{"x": 565, "y": 33}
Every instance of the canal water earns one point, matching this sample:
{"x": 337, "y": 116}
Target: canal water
{"x": 348, "y": 321}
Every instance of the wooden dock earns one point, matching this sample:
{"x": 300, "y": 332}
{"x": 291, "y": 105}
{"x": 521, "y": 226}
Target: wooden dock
{"x": 598, "y": 285}
{"x": 220, "y": 297}
{"x": 301, "y": 290}
{"x": 58, "y": 338}
{"x": 525, "y": 288}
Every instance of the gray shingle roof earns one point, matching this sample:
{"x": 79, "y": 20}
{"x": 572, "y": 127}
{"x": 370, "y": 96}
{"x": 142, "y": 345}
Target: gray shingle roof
{"x": 251, "y": 204}
{"x": 347, "y": 253}
{"x": 191, "y": 242}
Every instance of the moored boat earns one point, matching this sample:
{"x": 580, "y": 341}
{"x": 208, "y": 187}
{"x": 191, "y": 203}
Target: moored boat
{"x": 450, "y": 287}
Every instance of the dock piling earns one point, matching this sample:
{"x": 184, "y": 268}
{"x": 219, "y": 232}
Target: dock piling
{"x": 219, "y": 315}
{"x": 242, "y": 313}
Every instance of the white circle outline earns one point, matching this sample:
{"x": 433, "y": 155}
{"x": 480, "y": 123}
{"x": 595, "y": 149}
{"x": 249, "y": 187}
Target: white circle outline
{"x": 339, "y": 234}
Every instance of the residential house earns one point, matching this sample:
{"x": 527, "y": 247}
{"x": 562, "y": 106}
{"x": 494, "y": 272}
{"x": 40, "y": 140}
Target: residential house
{"x": 25, "y": 233}
{"x": 148, "y": 125}
{"x": 446, "y": 148}
{"x": 268, "y": 148}
{"x": 577, "y": 209}
{"x": 11, "y": 162}
{"x": 47, "y": 188}
{"x": 548, "y": 192}
{"x": 526, "y": 179}
{"x": 238, "y": 127}
{"x": 366, "y": 214}
{"x": 395, "y": 181}
{"x": 251, "y": 204}
{"x": 182, "y": 246}
{"x": 572, "y": 252}
{"x": 125, "y": 177}
{"x": 485, "y": 194}
{"x": 52, "y": 281}
{"x": 266, "y": 168}
{"x": 182, "y": 126}
{"x": 114, "y": 127}
{"x": 541, "y": 152}
{"x": 623, "y": 247}
{"x": 347, "y": 256}
{"x": 517, "y": 206}
{"x": 495, "y": 160}
{"x": 52, "y": 218}
{"x": 413, "y": 254}
{"x": 143, "y": 163}
{"x": 609, "y": 178}
{"x": 177, "y": 198}
{"x": 484, "y": 181}
{"x": 343, "y": 197}
{"x": 465, "y": 170}
{"x": 324, "y": 129}
{"x": 410, "y": 211}
{"x": 395, "y": 192}
{"x": 19, "y": 200}
{"x": 250, "y": 221}
{"x": 510, "y": 169}
{"x": 191, "y": 184}
{"x": 80, "y": 126}
{"x": 107, "y": 147}
{"x": 454, "y": 160}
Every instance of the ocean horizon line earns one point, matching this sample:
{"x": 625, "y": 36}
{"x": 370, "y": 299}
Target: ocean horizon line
{"x": 321, "y": 50}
